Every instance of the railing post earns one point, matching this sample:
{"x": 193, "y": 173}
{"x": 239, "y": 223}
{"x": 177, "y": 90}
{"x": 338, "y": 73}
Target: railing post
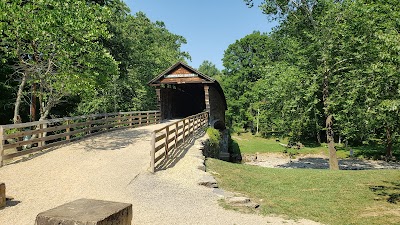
{"x": 183, "y": 134}
{"x": 1, "y": 145}
{"x": 119, "y": 120}
{"x": 140, "y": 119}
{"x": 153, "y": 152}
{"x": 44, "y": 126}
{"x": 130, "y": 120}
{"x": 89, "y": 121}
{"x": 148, "y": 118}
{"x": 176, "y": 134}
{"x": 67, "y": 130}
{"x": 166, "y": 141}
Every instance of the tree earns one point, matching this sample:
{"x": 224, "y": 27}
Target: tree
{"x": 55, "y": 47}
{"x": 208, "y": 68}
{"x": 243, "y": 61}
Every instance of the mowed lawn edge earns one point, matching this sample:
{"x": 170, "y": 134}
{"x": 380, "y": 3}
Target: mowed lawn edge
{"x": 329, "y": 197}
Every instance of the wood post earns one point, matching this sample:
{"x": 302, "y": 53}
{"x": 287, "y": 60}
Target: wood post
{"x": 140, "y": 119}
{"x": 44, "y": 134}
{"x": 176, "y": 134}
{"x": 153, "y": 152}
{"x": 130, "y": 120}
{"x": 148, "y": 118}
{"x": 119, "y": 120}
{"x": 89, "y": 120}
{"x": 67, "y": 130}
{"x": 166, "y": 141}
{"x": 207, "y": 97}
{"x": 1, "y": 146}
{"x": 184, "y": 130}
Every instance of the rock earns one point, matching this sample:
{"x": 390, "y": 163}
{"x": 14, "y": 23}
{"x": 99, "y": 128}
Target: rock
{"x": 238, "y": 200}
{"x": 202, "y": 167}
{"x": 243, "y": 202}
{"x": 208, "y": 181}
{"x": 3, "y": 199}
{"x": 87, "y": 212}
{"x": 222, "y": 193}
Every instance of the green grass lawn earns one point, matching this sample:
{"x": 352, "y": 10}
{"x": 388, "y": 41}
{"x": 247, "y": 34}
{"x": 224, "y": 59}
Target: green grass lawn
{"x": 330, "y": 197}
{"x": 250, "y": 144}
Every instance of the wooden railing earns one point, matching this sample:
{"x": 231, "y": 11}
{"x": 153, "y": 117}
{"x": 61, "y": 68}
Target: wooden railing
{"x": 26, "y": 138}
{"x": 167, "y": 139}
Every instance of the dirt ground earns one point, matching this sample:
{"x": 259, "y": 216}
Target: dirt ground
{"x": 278, "y": 160}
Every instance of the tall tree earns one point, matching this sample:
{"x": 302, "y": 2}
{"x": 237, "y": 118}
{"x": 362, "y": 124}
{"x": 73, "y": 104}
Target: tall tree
{"x": 209, "y": 68}
{"x": 55, "y": 46}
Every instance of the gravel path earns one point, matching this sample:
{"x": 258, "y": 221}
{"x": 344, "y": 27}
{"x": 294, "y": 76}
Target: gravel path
{"x": 113, "y": 167}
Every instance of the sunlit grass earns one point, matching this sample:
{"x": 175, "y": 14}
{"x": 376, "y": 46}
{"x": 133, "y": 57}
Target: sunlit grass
{"x": 330, "y": 197}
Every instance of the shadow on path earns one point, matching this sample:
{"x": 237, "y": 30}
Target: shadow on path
{"x": 115, "y": 140}
{"x": 179, "y": 152}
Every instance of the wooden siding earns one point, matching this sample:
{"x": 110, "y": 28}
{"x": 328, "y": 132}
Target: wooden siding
{"x": 181, "y": 70}
{"x": 182, "y": 80}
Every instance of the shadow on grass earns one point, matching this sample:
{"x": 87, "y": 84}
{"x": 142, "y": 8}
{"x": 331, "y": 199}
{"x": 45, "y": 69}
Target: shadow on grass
{"x": 234, "y": 150}
{"x": 389, "y": 192}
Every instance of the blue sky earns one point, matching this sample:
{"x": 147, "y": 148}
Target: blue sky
{"x": 209, "y": 26}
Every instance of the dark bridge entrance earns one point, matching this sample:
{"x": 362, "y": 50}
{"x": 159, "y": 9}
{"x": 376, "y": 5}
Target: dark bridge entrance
{"x": 183, "y": 91}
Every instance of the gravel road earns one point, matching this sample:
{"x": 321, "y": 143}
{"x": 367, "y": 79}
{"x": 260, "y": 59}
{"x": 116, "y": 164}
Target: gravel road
{"x": 113, "y": 166}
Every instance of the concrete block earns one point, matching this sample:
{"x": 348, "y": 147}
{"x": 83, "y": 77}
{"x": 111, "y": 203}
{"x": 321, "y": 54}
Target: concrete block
{"x": 2, "y": 195}
{"x": 87, "y": 212}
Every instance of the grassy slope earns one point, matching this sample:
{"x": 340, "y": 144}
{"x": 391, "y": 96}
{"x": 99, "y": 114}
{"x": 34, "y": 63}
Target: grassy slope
{"x": 331, "y": 197}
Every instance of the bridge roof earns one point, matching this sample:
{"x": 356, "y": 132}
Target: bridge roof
{"x": 181, "y": 73}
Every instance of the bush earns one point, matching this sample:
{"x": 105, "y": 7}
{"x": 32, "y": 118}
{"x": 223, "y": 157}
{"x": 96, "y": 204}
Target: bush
{"x": 212, "y": 146}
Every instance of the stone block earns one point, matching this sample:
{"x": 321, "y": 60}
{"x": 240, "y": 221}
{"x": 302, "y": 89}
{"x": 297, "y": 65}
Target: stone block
{"x": 208, "y": 181}
{"x": 2, "y": 195}
{"x": 87, "y": 212}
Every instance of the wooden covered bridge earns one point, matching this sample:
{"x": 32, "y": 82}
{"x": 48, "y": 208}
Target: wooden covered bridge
{"x": 183, "y": 91}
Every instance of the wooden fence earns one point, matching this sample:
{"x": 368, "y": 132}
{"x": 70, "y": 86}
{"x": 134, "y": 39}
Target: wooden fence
{"x": 167, "y": 139}
{"x": 26, "y": 138}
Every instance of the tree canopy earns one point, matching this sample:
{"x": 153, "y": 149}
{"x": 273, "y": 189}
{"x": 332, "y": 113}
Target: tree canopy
{"x": 79, "y": 57}
{"x": 329, "y": 67}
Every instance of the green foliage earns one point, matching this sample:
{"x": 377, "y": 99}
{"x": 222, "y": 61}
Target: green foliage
{"x": 214, "y": 136}
{"x": 83, "y": 56}
{"x": 336, "y": 59}
{"x": 213, "y": 145}
{"x": 208, "y": 68}
{"x": 329, "y": 197}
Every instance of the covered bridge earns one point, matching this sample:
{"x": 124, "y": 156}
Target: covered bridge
{"x": 183, "y": 91}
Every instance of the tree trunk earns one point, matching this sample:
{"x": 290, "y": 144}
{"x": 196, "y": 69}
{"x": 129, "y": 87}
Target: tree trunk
{"x": 389, "y": 143}
{"x": 333, "y": 161}
{"x": 17, "y": 118}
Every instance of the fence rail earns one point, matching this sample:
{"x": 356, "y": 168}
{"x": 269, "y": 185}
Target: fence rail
{"x": 167, "y": 139}
{"x": 26, "y": 138}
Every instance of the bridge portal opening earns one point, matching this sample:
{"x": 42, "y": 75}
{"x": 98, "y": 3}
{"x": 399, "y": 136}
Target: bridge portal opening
{"x": 183, "y": 91}
{"x": 180, "y": 101}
